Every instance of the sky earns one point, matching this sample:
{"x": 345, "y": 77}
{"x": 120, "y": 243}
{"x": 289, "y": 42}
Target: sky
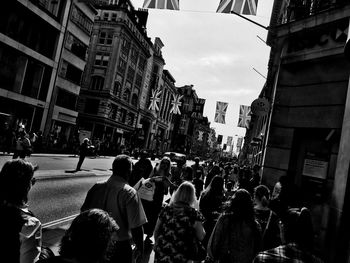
{"x": 216, "y": 53}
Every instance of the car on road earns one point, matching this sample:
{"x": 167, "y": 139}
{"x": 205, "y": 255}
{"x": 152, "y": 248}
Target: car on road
{"x": 175, "y": 157}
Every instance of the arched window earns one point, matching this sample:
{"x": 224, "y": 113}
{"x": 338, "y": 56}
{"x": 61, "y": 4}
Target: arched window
{"x": 134, "y": 100}
{"x": 97, "y": 82}
{"x": 126, "y": 95}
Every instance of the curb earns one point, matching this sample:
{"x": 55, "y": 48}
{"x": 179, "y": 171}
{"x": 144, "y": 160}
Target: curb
{"x": 59, "y": 174}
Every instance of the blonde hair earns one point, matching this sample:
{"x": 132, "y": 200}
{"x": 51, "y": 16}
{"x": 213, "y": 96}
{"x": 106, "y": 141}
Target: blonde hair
{"x": 186, "y": 193}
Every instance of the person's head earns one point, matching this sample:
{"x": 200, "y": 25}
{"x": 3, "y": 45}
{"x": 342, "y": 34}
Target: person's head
{"x": 216, "y": 185}
{"x": 256, "y": 168}
{"x": 122, "y": 166}
{"x": 241, "y": 204}
{"x": 165, "y": 165}
{"x": 262, "y": 195}
{"x": 143, "y": 155}
{"x": 187, "y": 173}
{"x": 89, "y": 238}
{"x": 196, "y": 160}
{"x": 298, "y": 228}
{"x": 185, "y": 193}
{"x": 16, "y": 179}
{"x": 229, "y": 186}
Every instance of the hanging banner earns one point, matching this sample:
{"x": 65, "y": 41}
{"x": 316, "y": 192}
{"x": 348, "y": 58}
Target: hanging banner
{"x": 176, "y": 103}
{"x": 155, "y": 100}
{"x": 229, "y": 140}
{"x": 220, "y": 112}
{"x": 200, "y": 135}
{"x": 162, "y": 4}
{"x": 245, "y": 7}
{"x": 244, "y": 116}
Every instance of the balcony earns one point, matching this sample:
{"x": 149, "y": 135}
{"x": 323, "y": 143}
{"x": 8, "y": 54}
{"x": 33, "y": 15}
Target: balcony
{"x": 294, "y": 10}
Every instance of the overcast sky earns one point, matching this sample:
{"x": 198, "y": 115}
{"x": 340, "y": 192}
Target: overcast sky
{"x": 214, "y": 52}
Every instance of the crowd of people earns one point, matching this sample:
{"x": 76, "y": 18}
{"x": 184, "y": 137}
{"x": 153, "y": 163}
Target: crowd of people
{"x": 215, "y": 212}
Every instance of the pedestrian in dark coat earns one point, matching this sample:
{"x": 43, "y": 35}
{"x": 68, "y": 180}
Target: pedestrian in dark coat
{"x": 83, "y": 151}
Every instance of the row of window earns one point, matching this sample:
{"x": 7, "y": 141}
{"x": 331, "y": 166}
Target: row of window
{"x": 76, "y": 46}
{"x": 114, "y": 112}
{"x": 82, "y": 20}
{"x": 71, "y": 73}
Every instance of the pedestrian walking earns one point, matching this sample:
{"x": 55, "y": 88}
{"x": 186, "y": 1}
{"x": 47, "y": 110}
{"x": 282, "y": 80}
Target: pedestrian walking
{"x": 142, "y": 169}
{"x": 89, "y": 239}
{"x": 178, "y": 224}
{"x": 298, "y": 240}
{"x": 121, "y": 201}
{"x": 237, "y": 235}
{"x": 21, "y": 230}
{"x": 197, "y": 169}
{"x": 268, "y": 220}
{"x": 83, "y": 152}
{"x": 160, "y": 177}
{"x": 23, "y": 146}
{"x": 211, "y": 204}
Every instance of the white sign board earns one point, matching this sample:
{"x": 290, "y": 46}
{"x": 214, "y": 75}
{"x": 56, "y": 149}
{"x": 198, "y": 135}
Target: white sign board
{"x": 315, "y": 168}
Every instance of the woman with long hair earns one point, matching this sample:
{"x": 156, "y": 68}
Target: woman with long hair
{"x": 211, "y": 203}
{"x": 21, "y": 230}
{"x": 268, "y": 220}
{"x": 178, "y": 223}
{"x": 236, "y": 236}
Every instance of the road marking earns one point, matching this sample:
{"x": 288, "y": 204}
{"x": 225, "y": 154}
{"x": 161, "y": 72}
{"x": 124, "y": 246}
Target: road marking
{"x": 59, "y": 221}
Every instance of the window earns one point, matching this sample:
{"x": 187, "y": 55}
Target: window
{"x": 66, "y": 99}
{"x": 114, "y": 16}
{"x": 131, "y": 74}
{"x": 97, "y": 83}
{"x": 134, "y": 100}
{"x": 134, "y": 55}
{"x": 105, "y": 16}
{"x": 105, "y": 38}
{"x": 138, "y": 80}
{"x": 117, "y": 85}
{"x": 130, "y": 119}
{"x": 125, "y": 48}
{"x": 77, "y": 47}
{"x": 121, "y": 65}
{"x": 102, "y": 59}
{"x": 142, "y": 64}
{"x": 91, "y": 106}
{"x": 126, "y": 95}
{"x": 82, "y": 20}
{"x": 122, "y": 116}
{"x": 71, "y": 73}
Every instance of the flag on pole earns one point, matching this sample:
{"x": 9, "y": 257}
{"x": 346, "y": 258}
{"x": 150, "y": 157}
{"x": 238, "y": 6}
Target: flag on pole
{"x": 154, "y": 100}
{"x": 244, "y": 116}
{"x": 229, "y": 140}
{"x": 176, "y": 103}
{"x": 162, "y": 4}
{"x": 220, "y": 112}
{"x": 245, "y": 7}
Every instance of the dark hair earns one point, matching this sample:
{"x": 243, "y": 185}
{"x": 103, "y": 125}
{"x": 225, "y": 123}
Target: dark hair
{"x": 122, "y": 165}
{"x": 216, "y": 186}
{"x": 15, "y": 181}
{"x": 298, "y": 227}
{"x": 262, "y": 193}
{"x": 229, "y": 185}
{"x": 241, "y": 205}
{"x": 89, "y": 237}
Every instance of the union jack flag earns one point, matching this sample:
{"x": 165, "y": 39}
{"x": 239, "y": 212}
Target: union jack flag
{"x": 220, "y": 113}
{"x": 245, "y": 7}
{"x": 200, "y": 135}
{"x": 176, "y": 103}
{"x": 229, "y": 140}
{"x": 155, "y": 99}
{"x": 162, "y": 4}
{"x": 244, "y": 116}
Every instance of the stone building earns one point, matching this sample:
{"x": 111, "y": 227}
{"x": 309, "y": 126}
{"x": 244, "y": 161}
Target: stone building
{"x": 115, "y": 75}
{"x": 306, "y": 135}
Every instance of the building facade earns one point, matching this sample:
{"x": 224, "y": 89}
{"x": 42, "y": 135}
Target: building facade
{"x": 31, "y": 39}
{"x": 307, "y": 135}
{"x": 115, "y": 75}
{"x": 63, "y": 112}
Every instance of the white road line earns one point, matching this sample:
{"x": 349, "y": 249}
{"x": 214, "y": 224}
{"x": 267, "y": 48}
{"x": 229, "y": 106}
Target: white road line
{"x": 59, "y": 221}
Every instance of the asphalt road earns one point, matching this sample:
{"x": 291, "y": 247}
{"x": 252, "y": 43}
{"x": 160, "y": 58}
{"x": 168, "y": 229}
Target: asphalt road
{"x": 55, "y": 199}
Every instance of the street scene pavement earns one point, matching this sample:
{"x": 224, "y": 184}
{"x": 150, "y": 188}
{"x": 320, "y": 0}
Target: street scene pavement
{"x": 58, "y": 194}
